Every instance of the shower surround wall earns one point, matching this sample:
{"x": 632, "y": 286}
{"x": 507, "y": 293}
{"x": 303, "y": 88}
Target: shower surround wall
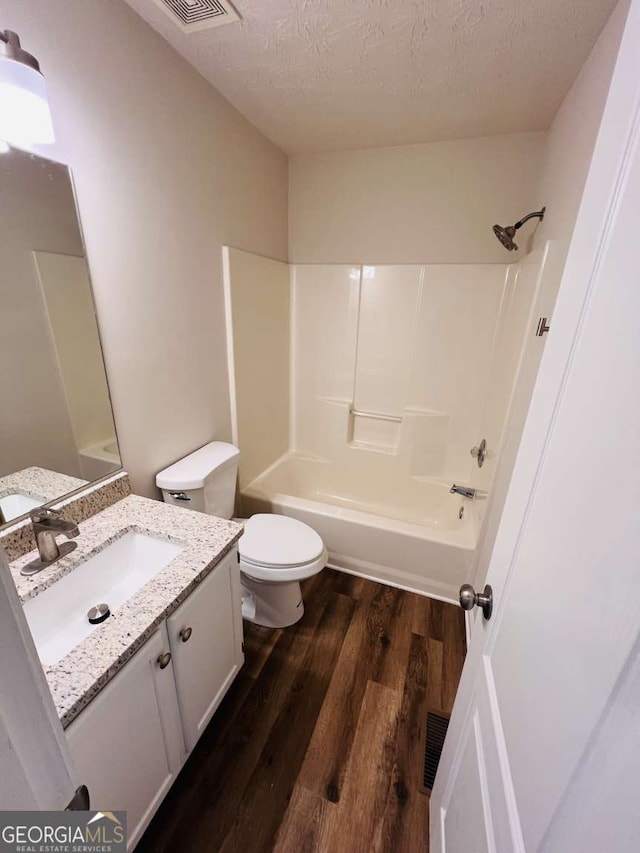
{"x": 391, "y": 364}
{"x": 257, "y": 315}
{"x": 395, "y": 373}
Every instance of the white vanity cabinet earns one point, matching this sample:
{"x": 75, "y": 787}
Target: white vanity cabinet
{"x": 130, "y": 742}
{"x": 127, "y": 743}
{"x": 205, "y": 637}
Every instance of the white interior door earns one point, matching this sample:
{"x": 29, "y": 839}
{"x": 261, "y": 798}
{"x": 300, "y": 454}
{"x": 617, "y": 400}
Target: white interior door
{"x": 34, "y": 760}
{"x": 533, "y": 724}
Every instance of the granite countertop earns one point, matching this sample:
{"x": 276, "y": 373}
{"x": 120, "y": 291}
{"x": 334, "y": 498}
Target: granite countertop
{"x": 39, "y": 483}
{"x": 81, "y": 674}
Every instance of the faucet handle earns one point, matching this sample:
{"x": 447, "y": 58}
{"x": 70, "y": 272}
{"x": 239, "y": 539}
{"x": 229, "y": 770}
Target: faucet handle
{"x": 479, "y": 453}
{"x": 42, "y": 513}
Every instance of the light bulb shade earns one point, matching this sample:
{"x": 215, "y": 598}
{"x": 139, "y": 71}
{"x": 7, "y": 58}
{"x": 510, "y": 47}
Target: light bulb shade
{"x": 25, "y": 117}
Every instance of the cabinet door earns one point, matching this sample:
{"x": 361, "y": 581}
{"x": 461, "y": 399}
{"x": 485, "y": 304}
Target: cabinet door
{"x": 127, "y": 745}
{"x": 205, "y": 635}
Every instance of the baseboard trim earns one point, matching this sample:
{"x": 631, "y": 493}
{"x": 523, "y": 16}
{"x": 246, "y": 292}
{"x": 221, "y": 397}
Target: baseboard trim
{"x": 381, "y": 577}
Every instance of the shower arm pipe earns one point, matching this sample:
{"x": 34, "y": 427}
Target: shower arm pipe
{"x": 538, "y": 214}
{"x": 376, "y": 416}
{"x": 10, "y": 48}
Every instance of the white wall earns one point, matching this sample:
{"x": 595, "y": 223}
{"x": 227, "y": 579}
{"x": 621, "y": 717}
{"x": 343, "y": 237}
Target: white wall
{"x": 257, "y": 300}
{"x": 422, "y": 344}
{"x": 413, "y": 204}
{"x": 166, "y": 173}
{"x": 569, "y": 148}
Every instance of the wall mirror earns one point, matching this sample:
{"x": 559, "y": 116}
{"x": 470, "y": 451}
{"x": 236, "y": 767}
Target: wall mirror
{"x": 57, "y": 431}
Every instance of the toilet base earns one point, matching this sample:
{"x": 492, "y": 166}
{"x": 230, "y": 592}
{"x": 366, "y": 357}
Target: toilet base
{"x": 273, "y": 605}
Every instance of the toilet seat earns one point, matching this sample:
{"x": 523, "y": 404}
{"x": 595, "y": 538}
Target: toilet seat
{"x": 279, "y": 541}
{"x": 278, "y": 548}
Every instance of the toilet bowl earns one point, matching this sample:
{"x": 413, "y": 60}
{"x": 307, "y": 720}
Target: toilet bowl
{"x": 275, "y": 552}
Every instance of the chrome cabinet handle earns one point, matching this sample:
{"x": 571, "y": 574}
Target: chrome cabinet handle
{"x": 469, "y": 598}
{"x": 185, "y": 634}
{"x": 164, "y": 660}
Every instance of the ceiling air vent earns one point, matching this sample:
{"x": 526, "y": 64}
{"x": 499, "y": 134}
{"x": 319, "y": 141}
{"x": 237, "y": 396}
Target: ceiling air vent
{"x": 192, "y": 15}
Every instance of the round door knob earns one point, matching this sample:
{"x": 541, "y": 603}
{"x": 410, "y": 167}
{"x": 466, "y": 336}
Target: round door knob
{"x": 469, "y": 598}
{"x": 164, "y": 660}
{"x": 185, "y": 633}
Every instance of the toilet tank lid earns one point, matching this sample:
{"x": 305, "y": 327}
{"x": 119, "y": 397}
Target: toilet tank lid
{"x": 192, "y": 471}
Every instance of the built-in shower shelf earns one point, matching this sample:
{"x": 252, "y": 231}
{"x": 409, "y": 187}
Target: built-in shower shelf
{"x": 374, "y": 430}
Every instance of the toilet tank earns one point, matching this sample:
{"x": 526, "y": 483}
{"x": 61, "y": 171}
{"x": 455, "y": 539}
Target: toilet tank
{"x": 205, "y": 480}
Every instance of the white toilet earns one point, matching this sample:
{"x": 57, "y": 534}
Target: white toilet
{"x": 275, "y": 552}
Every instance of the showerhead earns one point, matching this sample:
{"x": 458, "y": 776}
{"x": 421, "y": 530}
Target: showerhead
{"x": 506, "y": 233}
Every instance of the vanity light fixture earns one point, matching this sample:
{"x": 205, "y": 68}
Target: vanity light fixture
{"x": 25, "y": 117}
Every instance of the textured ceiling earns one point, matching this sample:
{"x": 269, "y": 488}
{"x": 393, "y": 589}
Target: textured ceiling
{"x": 318, "y": 75}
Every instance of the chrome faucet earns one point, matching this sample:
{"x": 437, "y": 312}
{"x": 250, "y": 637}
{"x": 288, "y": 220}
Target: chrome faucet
{"x": 47, "y": 524}
{"x": 463, "y": 491}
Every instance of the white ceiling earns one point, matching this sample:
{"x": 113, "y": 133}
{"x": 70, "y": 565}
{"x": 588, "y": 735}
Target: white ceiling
{"x": 318, "y": 75}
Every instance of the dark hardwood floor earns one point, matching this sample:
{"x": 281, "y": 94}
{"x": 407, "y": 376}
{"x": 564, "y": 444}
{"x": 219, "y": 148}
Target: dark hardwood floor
{"x": 318, "y": 744}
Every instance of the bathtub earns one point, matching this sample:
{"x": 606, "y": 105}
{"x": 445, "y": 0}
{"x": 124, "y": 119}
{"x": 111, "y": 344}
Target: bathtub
{"x": 404, "y": 531}
{"x": 99, "y": 459}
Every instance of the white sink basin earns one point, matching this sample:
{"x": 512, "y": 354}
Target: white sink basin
{"x": 58, "y": 618}
{"x": 15, "y": 504}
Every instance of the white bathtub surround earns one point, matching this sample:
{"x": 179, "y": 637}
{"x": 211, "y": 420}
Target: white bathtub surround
{"x": 515, "y": 354}
{"x": 99, "y": 459}
{"x": 257, "y": 315}
{"x": 396, "y": 373}
{"x": 404, "y": 353}
{"x": 83, "y": 672}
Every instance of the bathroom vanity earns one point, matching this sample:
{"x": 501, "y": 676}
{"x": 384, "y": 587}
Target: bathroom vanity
{"x": 136, "y": 691}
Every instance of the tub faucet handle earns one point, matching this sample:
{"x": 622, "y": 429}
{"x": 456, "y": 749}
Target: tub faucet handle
{"x": 479, "y": 453}
{"x": 463, "y": 491}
